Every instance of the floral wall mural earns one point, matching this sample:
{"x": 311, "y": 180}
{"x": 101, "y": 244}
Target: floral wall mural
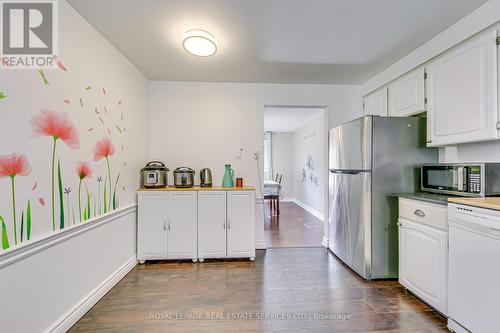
{"x": 63, "y": 153}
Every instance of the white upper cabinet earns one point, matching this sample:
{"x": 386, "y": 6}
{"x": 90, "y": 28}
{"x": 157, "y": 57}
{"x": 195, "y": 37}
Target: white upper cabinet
{"x": 182, "y": 225}
{"x": 211, "y": 224}
{"x": 462, "y": 93}
{"x": 376, "y": 103}
{"x": 406, "y": 94}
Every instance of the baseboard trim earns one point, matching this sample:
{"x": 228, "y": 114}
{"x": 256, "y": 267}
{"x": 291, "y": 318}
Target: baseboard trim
{"x": 324, "y": 242}
{"x": 80, "y": 309}
{"x": 456, "y": 327}
{"x": 261, "y": 244}
{"x": 311, "y": 210}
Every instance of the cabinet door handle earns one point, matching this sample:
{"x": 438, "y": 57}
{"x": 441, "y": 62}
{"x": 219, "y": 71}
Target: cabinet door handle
{"x": 229, "y": 224}
{"x": 419, "y": 213}
{"x": 169, "y": 223}
{"x": 429, "y": 141}
{"x": 223, "y": 224}
{"x": 400, "y": 224}
{"x": 165, "y": 224}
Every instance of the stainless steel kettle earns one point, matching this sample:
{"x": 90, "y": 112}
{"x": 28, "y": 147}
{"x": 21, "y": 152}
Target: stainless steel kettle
{"x": 205, "y": 178}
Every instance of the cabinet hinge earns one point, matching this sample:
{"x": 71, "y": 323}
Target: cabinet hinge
{"x": 425, "y": 100}
{"x": 498, "y": 40}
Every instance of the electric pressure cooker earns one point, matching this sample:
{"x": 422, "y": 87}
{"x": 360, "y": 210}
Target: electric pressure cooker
{"x": 154, "y": 175}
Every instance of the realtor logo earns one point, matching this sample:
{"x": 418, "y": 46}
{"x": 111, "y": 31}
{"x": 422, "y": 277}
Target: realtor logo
{"x": 29, "y": 33}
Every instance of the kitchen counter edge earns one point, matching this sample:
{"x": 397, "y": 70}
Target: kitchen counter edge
{"x": 425, "y": 197}
{"x": 197, "y": 188}
{"x": 488, "y": 202}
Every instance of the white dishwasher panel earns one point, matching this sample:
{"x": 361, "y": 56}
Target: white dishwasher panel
{"x": 474, "y": 270}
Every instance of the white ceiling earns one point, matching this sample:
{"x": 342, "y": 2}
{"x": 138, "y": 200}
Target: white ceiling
{"x": 288, "y": 119}
{"x": 279, "y": 41}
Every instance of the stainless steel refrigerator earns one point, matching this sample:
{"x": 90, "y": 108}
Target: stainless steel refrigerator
{"x": 371, "y": 158}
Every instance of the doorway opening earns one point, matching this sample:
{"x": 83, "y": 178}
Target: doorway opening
{"x": 295, "y": 175}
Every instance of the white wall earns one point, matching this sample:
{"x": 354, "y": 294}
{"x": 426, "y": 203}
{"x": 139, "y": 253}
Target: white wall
{"x": 283, "y": 161}
{"x": 309, "y": 141}
{"x": 39, "y": 290}
{"x": 204, "y": 124}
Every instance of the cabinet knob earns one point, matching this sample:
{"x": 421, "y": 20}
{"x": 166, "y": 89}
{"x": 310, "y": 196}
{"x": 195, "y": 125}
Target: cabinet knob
{"x": 399, "y": 224}
{"x": 419, "y": 213}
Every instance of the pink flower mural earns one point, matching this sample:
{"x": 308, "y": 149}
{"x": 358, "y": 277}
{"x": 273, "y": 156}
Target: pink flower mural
{"x": 58, "y": 126}
{"x": 104, "y": 149}
{"x": 83, "y": 171}
{"x": 15, "y": 223}
{"x": 11, "y": 166}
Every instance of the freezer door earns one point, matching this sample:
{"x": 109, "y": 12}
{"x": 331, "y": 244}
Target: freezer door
{"x": 351, "y": 145}
{"x": 350, "y": 219}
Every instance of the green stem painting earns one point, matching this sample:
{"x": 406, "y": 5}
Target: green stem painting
{"x": 52, "y": 184}
{"x": 12, "y": 177}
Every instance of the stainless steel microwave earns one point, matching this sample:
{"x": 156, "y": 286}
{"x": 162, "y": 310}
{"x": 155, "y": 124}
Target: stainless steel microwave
{"x": 463, "y": 179}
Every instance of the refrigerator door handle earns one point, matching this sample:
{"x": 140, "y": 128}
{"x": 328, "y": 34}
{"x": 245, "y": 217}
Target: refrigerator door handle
{"x": 348, "y": 172}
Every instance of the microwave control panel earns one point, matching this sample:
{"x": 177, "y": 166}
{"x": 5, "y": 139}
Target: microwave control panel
{"x": 474, "y": 179}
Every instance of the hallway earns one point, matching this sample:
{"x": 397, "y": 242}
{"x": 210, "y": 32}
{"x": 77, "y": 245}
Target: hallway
{"x": 300, "y": 284}
{"x": 295, "y": 227}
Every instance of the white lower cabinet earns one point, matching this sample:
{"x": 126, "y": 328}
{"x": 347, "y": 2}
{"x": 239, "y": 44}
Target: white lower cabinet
{"x": 196, "y": 224}
{"x": 151, "y": 231}
{"x": 167, "y": 225}
{"x": 423, "y": 252}
{"x": 226, "y": 224}
{"x": 241, "y": 224}
{"x": 182, "y": 225}
{"x": 211, "y": 224}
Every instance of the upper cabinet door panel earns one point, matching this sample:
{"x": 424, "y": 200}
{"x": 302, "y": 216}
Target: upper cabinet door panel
{"x": 462, "y": 93}
{"x": 406, "y": 94}
{"x": 376, "y": 103}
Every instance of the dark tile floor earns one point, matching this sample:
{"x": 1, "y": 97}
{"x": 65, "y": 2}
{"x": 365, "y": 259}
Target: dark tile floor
{"x": 294, "y": 227}
{"x": 307, "y": 285}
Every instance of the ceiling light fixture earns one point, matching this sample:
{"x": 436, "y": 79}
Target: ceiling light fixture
{"x": 199, "y": 42}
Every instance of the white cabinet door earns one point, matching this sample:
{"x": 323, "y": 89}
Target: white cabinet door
{"x": 241, "y": 224}
{"x": 462, "y": 93}
{"x": 182, "y": 225}
{"x": 423, "y": 262}
{"x": 151, "y": 228}
{"x": 211, "y": 224}
{"x": 406, "y": 94}
{"x": 376, "y": 103}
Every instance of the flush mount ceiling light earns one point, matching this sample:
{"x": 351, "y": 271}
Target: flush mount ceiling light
{"x": 199, "y": 42}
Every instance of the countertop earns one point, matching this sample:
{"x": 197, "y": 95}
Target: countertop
{"x": 198, "y": 188}
{"x": 438, "y": 199}
{"x": 488, "y": 202}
